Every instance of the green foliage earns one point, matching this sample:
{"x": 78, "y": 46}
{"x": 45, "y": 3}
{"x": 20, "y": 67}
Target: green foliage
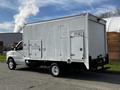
{"x": 2, "y": 58}
{"x": 114, "y": 65}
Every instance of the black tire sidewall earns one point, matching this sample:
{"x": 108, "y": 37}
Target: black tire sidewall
{"x": 55, "y": 64}
{"x": 14, "y": 65}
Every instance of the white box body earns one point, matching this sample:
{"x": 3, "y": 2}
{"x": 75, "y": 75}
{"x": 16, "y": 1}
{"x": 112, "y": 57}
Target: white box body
{"x": 70, "y": 39}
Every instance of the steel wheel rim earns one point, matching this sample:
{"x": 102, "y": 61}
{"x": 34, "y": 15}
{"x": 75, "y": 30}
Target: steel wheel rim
{"x": 11, "y": 65}
{"x": 55, "y": 70}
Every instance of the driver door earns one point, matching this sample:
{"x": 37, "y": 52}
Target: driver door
{"x": 18, "y": 56}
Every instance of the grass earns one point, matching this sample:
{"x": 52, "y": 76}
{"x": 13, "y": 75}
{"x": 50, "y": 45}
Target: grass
{"x": 2, "y": 58}
{"x": 114, "y": 65}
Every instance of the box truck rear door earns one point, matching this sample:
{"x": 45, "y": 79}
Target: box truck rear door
{"x": 77, "y": 49}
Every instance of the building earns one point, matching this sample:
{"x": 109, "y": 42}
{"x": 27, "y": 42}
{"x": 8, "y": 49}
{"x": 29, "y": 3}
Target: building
{"x": 113, "y": 24}
{"x": 114, "y": 45}
{"x": 113, "y": 36}
{"x": 8, "y": 40}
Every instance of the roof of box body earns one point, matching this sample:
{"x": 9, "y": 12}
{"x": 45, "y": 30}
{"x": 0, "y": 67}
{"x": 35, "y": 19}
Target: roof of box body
{"x": 83, "y": 14}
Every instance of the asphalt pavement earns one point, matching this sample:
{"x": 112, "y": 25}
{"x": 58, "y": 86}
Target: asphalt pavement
{"x": 24, "y": 78}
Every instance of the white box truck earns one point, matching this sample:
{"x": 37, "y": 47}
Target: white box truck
{"x": 70, "y": 42}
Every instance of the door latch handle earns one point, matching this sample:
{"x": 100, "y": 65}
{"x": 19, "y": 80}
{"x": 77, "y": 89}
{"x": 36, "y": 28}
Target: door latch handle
{"x": 72, "y": 54}
{"x": 81, "y": 49}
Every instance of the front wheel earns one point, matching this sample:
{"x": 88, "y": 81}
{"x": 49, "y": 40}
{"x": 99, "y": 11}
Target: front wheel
{"x": 11, "y": 64}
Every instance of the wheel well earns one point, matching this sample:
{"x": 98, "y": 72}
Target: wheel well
{"x": 10, "y": 58}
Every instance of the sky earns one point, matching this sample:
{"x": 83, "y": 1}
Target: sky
{"x": 50, "y": 9}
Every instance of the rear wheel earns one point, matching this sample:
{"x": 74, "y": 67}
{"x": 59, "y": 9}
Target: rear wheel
{"x": 11, "y": 64}
{"x": 55, "y": 70}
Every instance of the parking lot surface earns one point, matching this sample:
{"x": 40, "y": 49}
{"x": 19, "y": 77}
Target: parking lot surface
{"x": 24, "y": 78}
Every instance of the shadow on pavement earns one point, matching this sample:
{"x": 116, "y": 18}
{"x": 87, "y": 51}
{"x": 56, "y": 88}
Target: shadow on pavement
{"x": 106, "y": 76}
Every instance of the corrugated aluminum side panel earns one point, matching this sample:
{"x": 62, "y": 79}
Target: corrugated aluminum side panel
{"x": 55, "y": 36}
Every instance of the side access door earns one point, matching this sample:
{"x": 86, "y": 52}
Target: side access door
{"x": 35, "y": 49}
{"x": 77, "y": 45}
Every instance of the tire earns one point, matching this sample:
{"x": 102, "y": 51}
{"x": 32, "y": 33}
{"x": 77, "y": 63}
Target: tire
{"x": 11, "y": 64}
{"x": 55, "y": 70}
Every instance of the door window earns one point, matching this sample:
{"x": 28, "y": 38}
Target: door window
{"x": 19, "y": 46}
